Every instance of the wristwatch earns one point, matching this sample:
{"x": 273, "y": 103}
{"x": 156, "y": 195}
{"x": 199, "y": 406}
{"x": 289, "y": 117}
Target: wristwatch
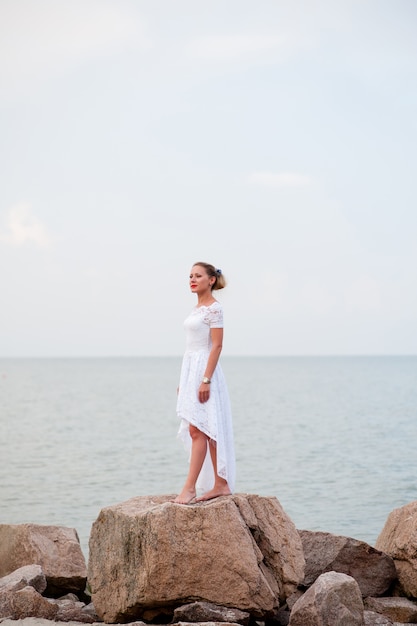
{"x": 206, "y": 380}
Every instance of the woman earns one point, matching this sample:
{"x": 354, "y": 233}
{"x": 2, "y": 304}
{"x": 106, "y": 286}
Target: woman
{"x": 203, "y": 401}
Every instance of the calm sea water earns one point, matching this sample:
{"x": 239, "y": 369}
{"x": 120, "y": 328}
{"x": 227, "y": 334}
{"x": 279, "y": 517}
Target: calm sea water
{"x": 333, "y": 438}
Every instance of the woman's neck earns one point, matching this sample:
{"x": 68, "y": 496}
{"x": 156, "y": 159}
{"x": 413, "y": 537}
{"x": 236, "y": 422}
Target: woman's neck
{"x": 205, "y": 299}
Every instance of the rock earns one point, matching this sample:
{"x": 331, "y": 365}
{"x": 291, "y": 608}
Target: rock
{"x": 208, "y": 612}
{"x": 334, "y": 598}
{"x": 29, "y": 603}
{"x": 90, "y": 610}
{"x": 20, "y": 593}
{"x": 39, "y": 621}
{"x": 55, "y": 548}
{"x": 373, "y": 570}
{"x": 375, "y": 619}
{"x": 396, "y": 609}
{"x": 70, "y": 608}
{"x": 149, "y": 554}
{"x": 280, "y": 618}
{"x": 201, "y": 624}
{"x": 399, "y": 539}
{"x": 292, "y": 599}
{"x": 277, "y": 538}
{"x": 27, "y": 576}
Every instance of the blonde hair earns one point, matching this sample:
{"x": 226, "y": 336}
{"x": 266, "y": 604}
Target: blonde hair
{"x": 220, "y": 281}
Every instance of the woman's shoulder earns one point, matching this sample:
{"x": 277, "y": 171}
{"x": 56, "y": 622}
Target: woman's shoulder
{"x": 213, "y": 315}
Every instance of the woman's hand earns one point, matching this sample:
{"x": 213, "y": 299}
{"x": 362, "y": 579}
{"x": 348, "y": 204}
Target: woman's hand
{"x": 204, "y": 392}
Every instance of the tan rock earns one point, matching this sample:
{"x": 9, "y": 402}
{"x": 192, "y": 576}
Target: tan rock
{"x": 29, "y": 603}
{"x": 399, "y": 539}
{"x": 237, "y": 551}
{"x": 373, "y": 570}
{"x": 55, "y": 548}
{"x": 31, "y": 581}
{"x": 397, "y": 609}
{"x": 334, "y": 599}
{"x": 277, "y": 538}
{"x": 27, "y": 576}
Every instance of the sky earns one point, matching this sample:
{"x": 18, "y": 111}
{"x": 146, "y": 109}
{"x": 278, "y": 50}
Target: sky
{"x": 275, "y": 139}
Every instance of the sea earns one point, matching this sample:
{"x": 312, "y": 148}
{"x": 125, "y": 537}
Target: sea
{"x": 332, "y": 438}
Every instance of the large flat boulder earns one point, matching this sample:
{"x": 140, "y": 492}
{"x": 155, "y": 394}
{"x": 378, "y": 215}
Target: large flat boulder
{"x": 55, "y": 548}
{"x": 398, "y": 538}
{"x": 334, "y": 599}
{"x": 149, "y": 554}
{"x": 373, "y": 570}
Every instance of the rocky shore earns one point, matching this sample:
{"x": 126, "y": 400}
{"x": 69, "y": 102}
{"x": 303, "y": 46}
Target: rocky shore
{"x": 233, "y": 560}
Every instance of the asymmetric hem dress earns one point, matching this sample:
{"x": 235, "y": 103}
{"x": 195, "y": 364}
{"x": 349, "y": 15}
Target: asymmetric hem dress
{"x": 214, "y": 417}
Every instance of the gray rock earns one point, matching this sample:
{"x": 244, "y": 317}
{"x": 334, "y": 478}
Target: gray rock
{"x": 373, "y": 570}
{"x": 204, "y": 624}
{"x": 375, "y": 619}
{"x": 333, "y": 599}
{"x": 397, "y": 609}
{"x": 70, "y": 608}
{"x": 209, "y": 612}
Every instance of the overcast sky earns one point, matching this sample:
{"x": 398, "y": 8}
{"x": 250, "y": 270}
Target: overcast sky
{"x": 275, "y": 139}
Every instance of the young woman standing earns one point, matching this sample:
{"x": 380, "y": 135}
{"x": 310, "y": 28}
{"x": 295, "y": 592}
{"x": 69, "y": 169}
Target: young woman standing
{"x": 203, "y": 404}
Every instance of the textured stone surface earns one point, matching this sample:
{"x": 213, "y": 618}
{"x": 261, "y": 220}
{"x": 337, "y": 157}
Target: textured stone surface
{"x": 397, "y": 609}
{"x": 239, "y": 551}
{"x": 370, "y": 618}
{"x": 277, "y": 538}
{"x": 71, "y": 609}
{"x": 29, "y": 575}
{"x": 20, "y": 594}
{"x": 206, "y": 624}
{"x": 399, "y": 539}
{"x": 55, "y": 548}
{"x": 208, "y": 612}
{"x": 27, "y": 602}
{"x": 40, "y": 621}
{"x": 373, "y": 570}
{"x": 334, "y": 599}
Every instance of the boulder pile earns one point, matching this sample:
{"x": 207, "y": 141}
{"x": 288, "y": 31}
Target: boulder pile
{"x": 233, "y": 560}
{"x": 43, "y": 574}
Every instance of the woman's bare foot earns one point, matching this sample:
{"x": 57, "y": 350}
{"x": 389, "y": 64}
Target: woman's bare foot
{"x": 216, "y": 492}
{"x": 185, "y": 497}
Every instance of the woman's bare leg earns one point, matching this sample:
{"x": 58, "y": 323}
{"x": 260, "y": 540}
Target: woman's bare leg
{"x": 221, "y": 487}
{"x": 198, "y": 454}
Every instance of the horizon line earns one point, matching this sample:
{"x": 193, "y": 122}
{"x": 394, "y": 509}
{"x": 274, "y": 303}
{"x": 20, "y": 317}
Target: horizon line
{"x": 240, "y": 356}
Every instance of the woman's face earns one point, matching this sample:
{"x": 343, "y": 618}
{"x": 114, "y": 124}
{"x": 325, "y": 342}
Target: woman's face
{"x": 200, "y": 281}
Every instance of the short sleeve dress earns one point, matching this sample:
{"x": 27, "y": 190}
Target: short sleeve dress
{"x": 214, "y": 417}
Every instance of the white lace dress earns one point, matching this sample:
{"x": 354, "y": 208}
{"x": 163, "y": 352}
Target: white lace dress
{"x": 214, "y": 417}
